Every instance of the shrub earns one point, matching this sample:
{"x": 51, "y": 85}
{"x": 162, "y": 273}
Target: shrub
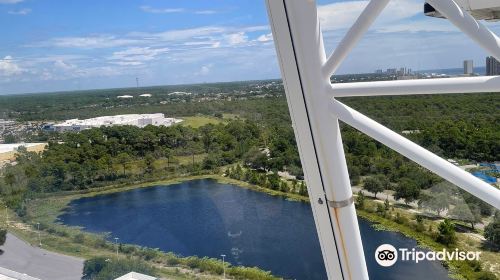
{"x": 492, "y": 231}
{"x": 3, "y": 236}
{"x": 400, "y": 219}
{"x": 446, "y": 234}
{"x": 79, "y": 238}
{"x": 360, "y": 200}
{"x": 100, "y": 268}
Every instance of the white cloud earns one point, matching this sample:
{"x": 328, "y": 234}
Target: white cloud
{"x": 265, "y": 37}
{"x": 204, "y": 36}
{"x": 128, "y": 63}
{"x": 8, "y": 67}
{"x": 183, "y": 34}
{"x": 136, "y": 55}
{"x": 205, "y": 12}
{"x": 91, "y": 42}
{"x": 21, "y": 12}
{"x": 10, "y": 1}
{"x": 98, "y": 71}
{"x": 432, "y": 25}
{"x": 342, "y": 15}
{"x": 152, "y": 10}
{"x": 204, "y": 70}
{"x": 236, "y": 38}
{"x": 60, "y": 64}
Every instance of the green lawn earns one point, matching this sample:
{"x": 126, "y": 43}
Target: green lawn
{"x": 197, "y": 121}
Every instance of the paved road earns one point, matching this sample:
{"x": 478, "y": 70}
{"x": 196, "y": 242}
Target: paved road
{"x": 22, "y": 257}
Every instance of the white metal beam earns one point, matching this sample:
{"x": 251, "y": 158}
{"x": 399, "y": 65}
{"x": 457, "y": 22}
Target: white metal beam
{"x": 441, "y": 167}
{"x": 299, "y": 43}
{"x": 468, "y": 25}
{"x": 422, "y": 86}
{"x": 279, "y": 20}
{"x": 364, "y": 21}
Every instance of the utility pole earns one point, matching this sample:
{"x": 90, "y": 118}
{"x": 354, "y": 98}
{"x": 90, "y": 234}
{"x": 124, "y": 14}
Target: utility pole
{"x": 39, "y": 237}
{"x": 223, "y": 266}
{"x": 6, "y": 216}
{"x": 137, "y": 82}
{"x": 116, "y": 243}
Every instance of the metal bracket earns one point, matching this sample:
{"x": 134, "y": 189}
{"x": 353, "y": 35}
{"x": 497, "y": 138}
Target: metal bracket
{"x": 341, "y": 203}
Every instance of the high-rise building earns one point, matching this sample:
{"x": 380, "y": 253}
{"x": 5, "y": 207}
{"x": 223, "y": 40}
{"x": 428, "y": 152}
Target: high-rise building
{"x": 391, "y": 70}
{"x": 468, "y": 67}
{"x": 492, "y": 66}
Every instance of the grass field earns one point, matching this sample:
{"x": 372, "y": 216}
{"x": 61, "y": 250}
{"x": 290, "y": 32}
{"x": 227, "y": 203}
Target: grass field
{"x": 201, "y": 120}
{"x": 198, "y": 121}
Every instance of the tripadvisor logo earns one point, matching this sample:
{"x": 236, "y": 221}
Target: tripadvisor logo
{"x": 387, "y": 255}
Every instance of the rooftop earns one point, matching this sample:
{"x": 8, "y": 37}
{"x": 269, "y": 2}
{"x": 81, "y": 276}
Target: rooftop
{"x": 136, "y": 276}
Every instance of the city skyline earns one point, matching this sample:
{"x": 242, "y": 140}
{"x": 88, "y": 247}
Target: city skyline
{"x": 91, "y": 45}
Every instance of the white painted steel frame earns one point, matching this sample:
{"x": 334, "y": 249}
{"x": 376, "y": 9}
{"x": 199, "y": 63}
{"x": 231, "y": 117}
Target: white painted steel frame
{"x": 316, "y": 114}
{"x": 296, "y": 29}
{"x": 412, "y": 87}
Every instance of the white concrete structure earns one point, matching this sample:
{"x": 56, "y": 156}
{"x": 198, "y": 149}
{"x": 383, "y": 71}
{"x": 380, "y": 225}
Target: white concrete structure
{"x": 136, "y": 276}
{"x": 145, "y": 95}
{"x": 124, "y": 96}
{"x": 139, "y": 120}
{"x": 468, "y": 67}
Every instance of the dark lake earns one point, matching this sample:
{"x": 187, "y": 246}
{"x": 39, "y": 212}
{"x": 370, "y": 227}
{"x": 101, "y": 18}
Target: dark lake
{"x": 206, "y": 218}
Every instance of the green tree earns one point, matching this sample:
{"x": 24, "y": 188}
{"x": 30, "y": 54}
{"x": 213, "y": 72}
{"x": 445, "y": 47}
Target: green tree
{"x": 373, "y": 185}
{"x": 9, "y": 139}
{"x": 447, "y": 235}
{"x": 360, "y": 200}
{"x": 283, "y": 186}
{"x": 492, "y": 231}
{"x": 467, "y": 213}
{"x": 407, "y": 190}
{"x": 303, "y": 189}
{"x": 256, "y": 159}
{"x": 167, "y": 153}
{"x": 9, "y": 179}
{"x": 149, "y": 161}
{"x": 437, "y": 202}
{"x": 100, "y": 268}
{"x": 123, "y": 159}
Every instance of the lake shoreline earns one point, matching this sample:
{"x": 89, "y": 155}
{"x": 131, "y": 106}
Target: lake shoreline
{"x": 64, "y": 198}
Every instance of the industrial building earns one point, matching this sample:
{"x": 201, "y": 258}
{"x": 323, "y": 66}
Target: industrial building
{"x": 139, "y": 120}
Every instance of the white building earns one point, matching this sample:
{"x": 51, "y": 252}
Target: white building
{"x": 124, "y": 96}
{"x": 145, "y": 95}
{"x": 136, "y": 276}
{"x": 468, "y": 67}
{"x": 139, "y": 120}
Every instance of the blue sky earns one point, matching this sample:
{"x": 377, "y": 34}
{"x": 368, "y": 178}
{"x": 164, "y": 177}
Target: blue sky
{"x": 54, "y": 45}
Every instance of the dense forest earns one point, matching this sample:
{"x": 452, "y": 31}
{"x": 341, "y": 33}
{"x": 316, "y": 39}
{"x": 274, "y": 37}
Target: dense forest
{"x": 261, "y": 139}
